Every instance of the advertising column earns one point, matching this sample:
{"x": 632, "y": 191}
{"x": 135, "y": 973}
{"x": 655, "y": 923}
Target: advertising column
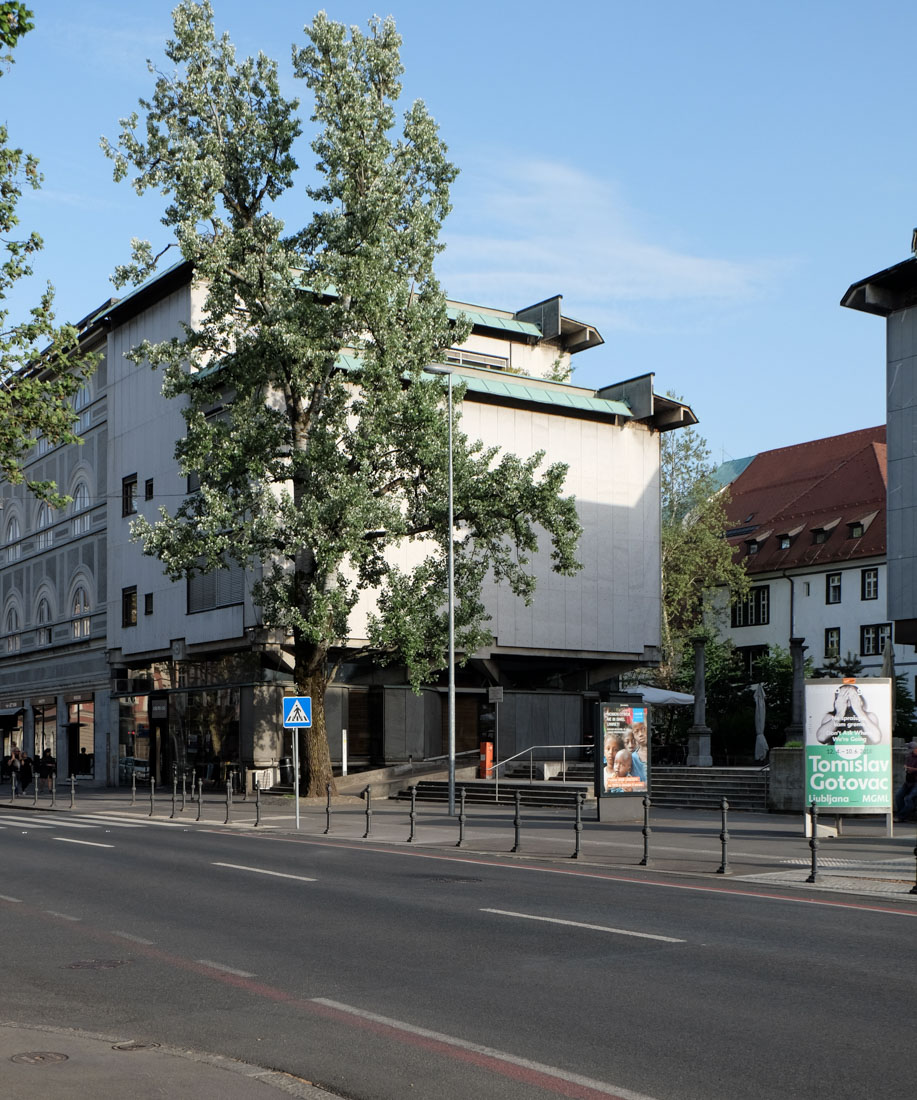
{"x": 622, "y": 749}
{"x": 848, "y": 745}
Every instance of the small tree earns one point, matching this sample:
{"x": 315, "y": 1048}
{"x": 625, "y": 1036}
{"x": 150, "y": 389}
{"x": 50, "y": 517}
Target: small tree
{"x": 40, "y": 364}
{"x": 332, "y": 446}
{"x": 696, "y": 558}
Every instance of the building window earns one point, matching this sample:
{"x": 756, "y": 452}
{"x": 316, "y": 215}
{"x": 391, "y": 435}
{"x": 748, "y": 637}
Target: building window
{"x": 806, "y": 590}
{"x": 80, "y": 626}
{"x": 12, "y": 630}
{"x": 45, "y": 534}
{"x": 833, "y": 641}
{"x": 43, "y": 445}
{"x": 752, "y": 546}
{"x": 13, "y": 534}
{"x": 129, "y": 606}
{"x": 833, "y": 588}
{"x": 784, "y": 542}
{"x": 81, "y": 407}
{"x": 218, "y": 588}
{"x": 869, "y": 584}
{"x": 80, "y": 508}
{"x": 129, "y": 495}
{"x": 148, "y": 489}
{"x": 873, "y": 639}
{"x": 43, "y": 618}
{"x": 856, "y": 530}
{"x": 820, "y": 535}
{"x": 754, "y": 610}
{"x": 148, "y": 603}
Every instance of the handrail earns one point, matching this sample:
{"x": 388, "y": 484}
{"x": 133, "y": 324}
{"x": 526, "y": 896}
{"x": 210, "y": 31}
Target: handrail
{"x": 494, "y": 769}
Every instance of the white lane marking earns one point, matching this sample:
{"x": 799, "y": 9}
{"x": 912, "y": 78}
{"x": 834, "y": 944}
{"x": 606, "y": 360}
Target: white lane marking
{"x": 262, "y": 871}
{"x": 85, "y": 843}
{"x": 117, "y": 818}
{"x": 591, "y": 927}
{"x": 225, "y": 969}
{"x": 489, "y": 1052}
{"x": 25, "y": 823}
{"x": 6, "y": 897}
{"x": 63, "y": 916}
{"x": 134, "y": 939}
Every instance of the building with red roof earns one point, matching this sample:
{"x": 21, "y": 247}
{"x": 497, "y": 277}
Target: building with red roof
{"x": 808, "y": 521}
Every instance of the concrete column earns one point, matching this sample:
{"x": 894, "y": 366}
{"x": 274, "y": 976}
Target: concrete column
{"x": 699, "y": 734}
{"x": 795, "y": 730}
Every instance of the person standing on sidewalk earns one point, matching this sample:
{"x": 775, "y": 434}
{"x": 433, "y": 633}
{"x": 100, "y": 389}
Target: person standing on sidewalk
{"x": 906, "y": 795}
{"x": 15, "y": 767}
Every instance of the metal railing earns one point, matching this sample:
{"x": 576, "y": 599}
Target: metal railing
{"x": 530, "y": 753}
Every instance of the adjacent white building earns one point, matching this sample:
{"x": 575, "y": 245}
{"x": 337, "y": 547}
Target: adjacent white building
{"x": 101, "y": 652}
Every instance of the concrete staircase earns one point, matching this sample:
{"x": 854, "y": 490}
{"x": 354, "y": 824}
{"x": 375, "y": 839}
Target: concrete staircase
{"x": 705, "y": 788}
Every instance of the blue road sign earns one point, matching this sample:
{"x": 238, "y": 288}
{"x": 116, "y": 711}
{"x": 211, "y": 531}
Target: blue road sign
{"x": 297, "y": 711}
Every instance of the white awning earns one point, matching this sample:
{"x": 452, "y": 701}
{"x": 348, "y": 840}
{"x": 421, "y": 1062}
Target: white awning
{"x": 660, "y": 697}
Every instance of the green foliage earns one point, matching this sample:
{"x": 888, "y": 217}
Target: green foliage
{"x": 695, "y": 556}
{"x": 40, "y": 364}
{"x": 836, "y": 668}
{"x": 330, "y": 448}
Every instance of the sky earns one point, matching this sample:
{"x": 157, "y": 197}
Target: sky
{"x": 701, "y": 182}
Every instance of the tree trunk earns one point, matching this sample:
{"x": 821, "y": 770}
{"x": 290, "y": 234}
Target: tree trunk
{"x": 316, "y": 756}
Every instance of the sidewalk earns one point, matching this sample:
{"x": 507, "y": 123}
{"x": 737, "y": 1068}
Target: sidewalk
{"x": 59, "y": 1064}
{"x": 762, "y": 848}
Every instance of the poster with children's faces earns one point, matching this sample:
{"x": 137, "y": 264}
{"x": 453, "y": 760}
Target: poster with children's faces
{"x": 848, "y": 745}
{"x": 623, "y": 742}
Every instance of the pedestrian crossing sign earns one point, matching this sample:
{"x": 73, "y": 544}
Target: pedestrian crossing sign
{"x": 297, "y": 711}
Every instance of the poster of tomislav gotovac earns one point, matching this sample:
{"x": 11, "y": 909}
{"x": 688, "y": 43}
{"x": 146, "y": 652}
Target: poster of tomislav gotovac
{"x": 848, "y": 745}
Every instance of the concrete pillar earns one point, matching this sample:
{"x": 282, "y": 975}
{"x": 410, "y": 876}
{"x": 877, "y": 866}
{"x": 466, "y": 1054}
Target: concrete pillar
{"x": 699, "y": 734}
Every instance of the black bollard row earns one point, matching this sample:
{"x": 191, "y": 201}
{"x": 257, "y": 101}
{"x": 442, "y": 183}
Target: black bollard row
{"x": 813, "y": 842}
{"x": 517, "y": 822}
{"x": 578, "y": 823}
{"x": 413, "y": 814}
{"x": 461, "y": 819}
{"x": 645, "y": 862}
{"x": 368, "y": 795}
{"x": 723, "y": 868}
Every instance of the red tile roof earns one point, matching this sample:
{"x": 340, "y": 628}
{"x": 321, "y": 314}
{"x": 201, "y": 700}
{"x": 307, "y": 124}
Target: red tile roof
{"x": 828, "y": 485}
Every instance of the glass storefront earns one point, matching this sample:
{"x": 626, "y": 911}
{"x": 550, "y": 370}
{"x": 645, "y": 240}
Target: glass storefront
{"x": 81, "y": 732}
{"x": 44, "y": 717}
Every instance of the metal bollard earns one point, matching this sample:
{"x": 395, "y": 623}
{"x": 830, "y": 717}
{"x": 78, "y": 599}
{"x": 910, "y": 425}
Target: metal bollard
{"x": 813, "y": 842}
{"x": 413, "y": 814}
{"x": 368, "y": 794}
{"x": 174, "y": 793}
{"x": 245, "y": 784}
{"x": 184, "y": 783}
{"x": 914, "y": 887}
{"x": 53, "y": 789}
{"x": 257, "y": 802}
{"x": 578, "y": 823}
{"x": 228, "y": 802}
{"x": 461, "y": 818}
{"x": 723, "y": 868}
{"x": 517, "y": 821}
{"x": 327, "y": 808}
{"x": 645, "y": 862}
{"x": 72, "y": 790}
{"x": 133, "y": 788}
{"x": 200, "y": 797}
{"x": 152, "y": 794}
{"x": 35, "y": 791}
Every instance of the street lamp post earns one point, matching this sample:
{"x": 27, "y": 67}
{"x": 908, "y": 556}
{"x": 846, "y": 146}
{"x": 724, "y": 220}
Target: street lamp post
{"x": 450, "y": 553}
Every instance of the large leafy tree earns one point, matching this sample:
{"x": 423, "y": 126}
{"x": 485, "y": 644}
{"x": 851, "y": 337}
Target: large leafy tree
{"x": 696, "y": 558}
{"x": 328, "y": 460}
{"x": 41, "y": 367}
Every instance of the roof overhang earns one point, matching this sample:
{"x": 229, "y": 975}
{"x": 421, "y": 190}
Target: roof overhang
{"x": 886, "y": 292}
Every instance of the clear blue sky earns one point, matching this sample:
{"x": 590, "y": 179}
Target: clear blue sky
{"x": 700, "y": 181}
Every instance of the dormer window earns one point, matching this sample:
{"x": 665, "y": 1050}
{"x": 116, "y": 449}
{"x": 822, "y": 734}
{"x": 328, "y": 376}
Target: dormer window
{"x": 857, "y": 530}
{"x": 785, "y": 542}
{"x": 819, "y": 535}
{"x": 752, "y": 546}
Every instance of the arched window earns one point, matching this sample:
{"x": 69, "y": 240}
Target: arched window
{"x": 12, "y": 630}
{"x": 43, "y": 618}
{"x": 45, "y": 519}
{"x": 81, "y": 406}
{"x": 80, "y": 613}
{"x": 80, "y": 509}
{"x": 13, "y": 535}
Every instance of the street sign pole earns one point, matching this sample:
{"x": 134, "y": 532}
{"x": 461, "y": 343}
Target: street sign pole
{"x": 296, "y": 774}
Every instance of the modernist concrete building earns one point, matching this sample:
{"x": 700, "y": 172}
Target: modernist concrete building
{"x": 100, "y": 651}
{"x": 892, "y": 294}
{"x": 808, "y": 521}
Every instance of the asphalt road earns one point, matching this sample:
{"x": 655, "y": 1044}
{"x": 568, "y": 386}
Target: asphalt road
{"x": 392, "y": 973}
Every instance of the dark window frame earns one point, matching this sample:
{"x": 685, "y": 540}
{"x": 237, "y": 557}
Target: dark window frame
{"x": 869, "y": 578}
{"x": 129, "y": 606}
{"x": 833, "y": 588}
{"x": 129, "y": 495}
